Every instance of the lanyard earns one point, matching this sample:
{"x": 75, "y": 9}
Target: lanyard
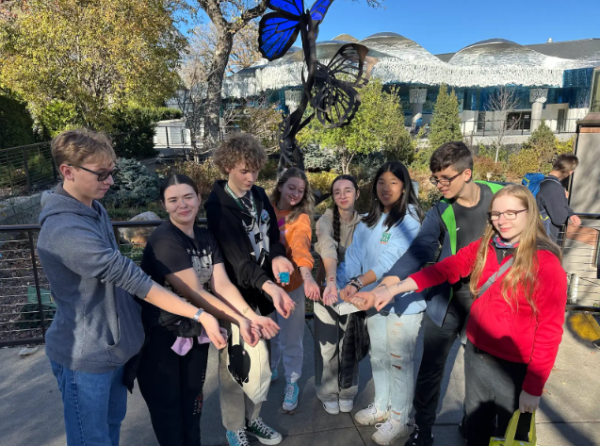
{"x": 241, "y": 202}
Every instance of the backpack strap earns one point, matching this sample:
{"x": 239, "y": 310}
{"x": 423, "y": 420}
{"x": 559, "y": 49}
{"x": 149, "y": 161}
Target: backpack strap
{"x": 495, "y": 276}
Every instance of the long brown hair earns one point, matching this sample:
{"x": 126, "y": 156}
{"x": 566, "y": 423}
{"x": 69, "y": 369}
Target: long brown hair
{"x": 306, "y": 205}
{"x": 522, "y": 274}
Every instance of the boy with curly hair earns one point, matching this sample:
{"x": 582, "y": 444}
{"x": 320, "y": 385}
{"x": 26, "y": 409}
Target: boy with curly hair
{"x": 243, "y": 221}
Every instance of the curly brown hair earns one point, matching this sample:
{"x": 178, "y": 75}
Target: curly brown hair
{"x": 240, "y": 148}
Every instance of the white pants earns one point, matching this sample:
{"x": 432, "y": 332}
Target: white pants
{"x": 288, "y": 343}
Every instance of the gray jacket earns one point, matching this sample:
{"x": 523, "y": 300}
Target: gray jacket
{"x": 97, "y": 326}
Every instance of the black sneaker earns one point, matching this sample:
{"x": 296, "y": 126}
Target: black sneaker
{"x": 420, "y": 438}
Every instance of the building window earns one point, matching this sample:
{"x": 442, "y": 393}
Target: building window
{"x": 595, "y": 99}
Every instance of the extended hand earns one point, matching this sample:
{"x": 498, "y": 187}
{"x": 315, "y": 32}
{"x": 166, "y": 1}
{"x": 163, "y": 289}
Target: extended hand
{"x": 281, "y": 265}
{"x": 330, "y": 294}
{"x": 347, "y": 293}
{"x": 267, "y": 327}
{"x": 311, "y": 289}
{"x": 250, "y": 336}
{"x": 528, "y": 402}
{"x": 363, "y": 300}
{"x": 211, "y": 327}
{"x": 282, "y": 302}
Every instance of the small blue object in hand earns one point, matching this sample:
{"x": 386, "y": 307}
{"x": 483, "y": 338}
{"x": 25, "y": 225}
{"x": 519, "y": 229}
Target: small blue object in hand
{"x": 284, "y": 278}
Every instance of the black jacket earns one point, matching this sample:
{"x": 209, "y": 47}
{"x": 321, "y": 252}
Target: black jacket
{"x": 553, "y": 200}
{"x": 354, "y": 348}
{"x": 228, "y": 223}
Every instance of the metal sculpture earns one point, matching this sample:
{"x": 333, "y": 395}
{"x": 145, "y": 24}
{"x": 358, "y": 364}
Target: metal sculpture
{"x": 330, "y": 89}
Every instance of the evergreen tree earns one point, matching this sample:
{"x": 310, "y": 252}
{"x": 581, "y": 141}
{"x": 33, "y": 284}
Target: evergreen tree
{"x": 446, "y": 123}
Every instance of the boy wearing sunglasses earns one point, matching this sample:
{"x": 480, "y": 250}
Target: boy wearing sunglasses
{"x": 97, "y": 327}
{"x": 455, "y": 221}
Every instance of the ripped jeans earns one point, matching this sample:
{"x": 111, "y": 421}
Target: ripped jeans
{"x": 393, "y": 340}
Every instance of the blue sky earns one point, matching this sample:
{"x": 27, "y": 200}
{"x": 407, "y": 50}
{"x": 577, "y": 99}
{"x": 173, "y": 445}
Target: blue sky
{"x": 444, "y": 26}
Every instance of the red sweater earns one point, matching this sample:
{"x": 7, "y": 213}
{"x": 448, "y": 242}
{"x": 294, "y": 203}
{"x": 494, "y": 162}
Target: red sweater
{"x": 499, "y": 329}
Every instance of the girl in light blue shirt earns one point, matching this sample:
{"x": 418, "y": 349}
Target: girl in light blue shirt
{"x": 383, "y": 236}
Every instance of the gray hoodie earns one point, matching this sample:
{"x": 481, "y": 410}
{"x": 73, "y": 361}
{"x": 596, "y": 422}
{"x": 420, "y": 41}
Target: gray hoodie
{"x": 97, "y": 326}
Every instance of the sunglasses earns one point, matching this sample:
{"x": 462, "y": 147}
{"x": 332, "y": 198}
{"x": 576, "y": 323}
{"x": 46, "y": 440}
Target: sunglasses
{"x": 102, "y": 176}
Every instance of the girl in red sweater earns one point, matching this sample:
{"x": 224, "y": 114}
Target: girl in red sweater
{"x": 515, "y": 325}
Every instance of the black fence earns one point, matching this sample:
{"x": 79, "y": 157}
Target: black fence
{"x": 27, "y": 308}
{"x": 26, "y": 169}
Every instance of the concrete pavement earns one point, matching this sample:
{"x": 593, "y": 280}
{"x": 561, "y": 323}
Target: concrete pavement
{"x": 31, "y": 409}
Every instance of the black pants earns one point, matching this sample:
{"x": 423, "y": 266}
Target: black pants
{"x": 172, "y": 387}
{"x": 493, "y": 386}
{"x": 437, "y": 342}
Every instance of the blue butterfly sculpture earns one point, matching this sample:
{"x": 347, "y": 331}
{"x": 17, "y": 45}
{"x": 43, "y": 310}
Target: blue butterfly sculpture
{"x": 330, "y": 89}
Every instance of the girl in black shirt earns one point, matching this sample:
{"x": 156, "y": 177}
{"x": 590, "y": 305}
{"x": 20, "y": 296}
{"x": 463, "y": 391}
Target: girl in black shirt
{"x": 172, "y": 364}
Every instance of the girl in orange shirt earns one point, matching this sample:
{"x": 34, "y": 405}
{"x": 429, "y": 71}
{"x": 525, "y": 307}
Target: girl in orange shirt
{"x": 293, "y": 202}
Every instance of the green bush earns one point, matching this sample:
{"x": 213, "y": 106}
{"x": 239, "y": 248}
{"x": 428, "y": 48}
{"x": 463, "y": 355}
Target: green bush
{"x": 57, "y": 117}
{"x": 318, "y": 160}
{"x": 134, "y": 186}
{"x": 133, "y": 131}
{"x": 16, "y": 124}
{"x": 269, "y": 172}
{"x": 204, "y": 174}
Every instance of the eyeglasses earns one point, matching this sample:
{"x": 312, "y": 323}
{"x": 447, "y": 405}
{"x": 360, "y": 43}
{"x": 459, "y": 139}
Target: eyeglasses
{"x": 444, "y": 182}
{"x": 509, "y": 215}
{"x": 102, "y": 176}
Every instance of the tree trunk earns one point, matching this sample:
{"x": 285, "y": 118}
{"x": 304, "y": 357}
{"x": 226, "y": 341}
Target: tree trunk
{"x": 215, "y": 84}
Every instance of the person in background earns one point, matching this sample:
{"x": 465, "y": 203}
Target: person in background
{"x": 554, "y": 199}
{"x": 97, "y": 327}
{"x": 456, "y": 220}
{"x": 334, "y": 230}
{"x": 243, "y": 221}
{"x": 187, "y": 260}
{"x": 517, "y": 317}
{"x": 293, "y": 201}
{"x": 382, "y": 237}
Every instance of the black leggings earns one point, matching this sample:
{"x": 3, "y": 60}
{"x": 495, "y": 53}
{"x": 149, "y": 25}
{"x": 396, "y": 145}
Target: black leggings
{"x": 172, "y": 387}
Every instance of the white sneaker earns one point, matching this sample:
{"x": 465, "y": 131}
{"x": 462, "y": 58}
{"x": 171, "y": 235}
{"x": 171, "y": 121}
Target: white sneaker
{"x": 346, "y": 405}
{"x": 370, "y": 416}
{"x": 331, "y": 407}
{"x": 387, "y": 432}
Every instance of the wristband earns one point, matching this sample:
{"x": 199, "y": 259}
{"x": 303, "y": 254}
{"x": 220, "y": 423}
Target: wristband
{"x": 197, "y": 315}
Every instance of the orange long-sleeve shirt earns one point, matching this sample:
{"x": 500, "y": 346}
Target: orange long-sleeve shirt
{"x": 296, "y": 237}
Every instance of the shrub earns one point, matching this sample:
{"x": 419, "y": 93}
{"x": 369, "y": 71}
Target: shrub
{"x": 421, "y": 159}
{"x": 204, "y": 174}
{"x": 133, "y": 130}
{"x": 318, "y": 160}
{"x": 269, "y": 172}
{"x": 484, "y": 165}
{"x": 16, "y": 124}
{"x": 446, "y": 123}
{"x": 134, "y": 186}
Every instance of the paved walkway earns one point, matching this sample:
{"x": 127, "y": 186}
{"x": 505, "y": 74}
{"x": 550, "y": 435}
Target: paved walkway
{"x": 31, "y": 409}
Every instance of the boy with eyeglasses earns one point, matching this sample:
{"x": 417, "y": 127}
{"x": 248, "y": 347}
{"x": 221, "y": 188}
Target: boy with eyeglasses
{"x": 455, "y": 221}
{"x": 97, "y": 327}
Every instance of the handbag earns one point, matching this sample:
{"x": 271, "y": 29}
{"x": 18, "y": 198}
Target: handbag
{"x": 249, "y": 366}
{"x": 511, "y": 430}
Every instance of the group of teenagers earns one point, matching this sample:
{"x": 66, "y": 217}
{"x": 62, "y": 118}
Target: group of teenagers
{"x": 496, "y": 282}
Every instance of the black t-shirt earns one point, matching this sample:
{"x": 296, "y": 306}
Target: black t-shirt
{"x": 470, "y": 225}
{"x": 169, "y": 251}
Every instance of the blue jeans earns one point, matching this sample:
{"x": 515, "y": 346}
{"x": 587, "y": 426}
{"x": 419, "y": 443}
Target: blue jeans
{"x": 94, "y": 405}
{"x": 393, "y": 340}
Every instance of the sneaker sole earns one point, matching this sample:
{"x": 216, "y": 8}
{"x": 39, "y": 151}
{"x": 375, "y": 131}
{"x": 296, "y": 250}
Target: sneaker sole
{"x": 288, "y": 408}
{"x": 331, "y": 412}
{"x": 261, "y": 440}
{"x": 401, "y": 434}
{"x": 346, "y": 409}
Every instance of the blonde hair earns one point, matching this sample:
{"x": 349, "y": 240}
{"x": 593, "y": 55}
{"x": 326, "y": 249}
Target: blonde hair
{"x": 306, "y": 205}
{"x": 240, "y": 148}
{"x": 522, "y": 274}
{"x": 80, "y": 146}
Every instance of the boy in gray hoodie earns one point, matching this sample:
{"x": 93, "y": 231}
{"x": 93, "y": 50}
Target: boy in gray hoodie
{"x": 97, "y": 327}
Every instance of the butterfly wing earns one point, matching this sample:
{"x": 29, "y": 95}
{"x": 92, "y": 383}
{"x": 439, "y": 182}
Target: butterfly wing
{"x": 277, "y": 32}
{"x": 294, "y": 7}
{"x": 319, "y": 9}
{"x": 336, "y": 100}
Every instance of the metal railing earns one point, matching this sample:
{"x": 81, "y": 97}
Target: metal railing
{"x": 27, "y": 309}
{"x": 26, "y": 169}
{"x": 522, "y": 127}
